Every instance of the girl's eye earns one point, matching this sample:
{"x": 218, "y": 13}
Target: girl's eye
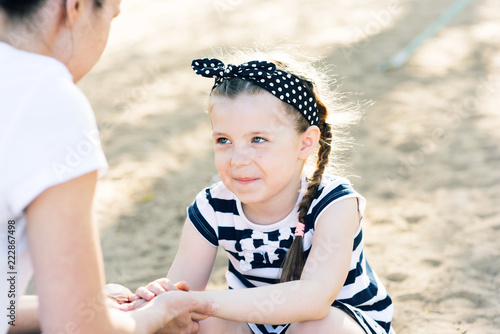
{"x": 258, "y": 140}
{"x": 223, "y": 141}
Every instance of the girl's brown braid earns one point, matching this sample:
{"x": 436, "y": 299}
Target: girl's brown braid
{"x": 295, "y": 261}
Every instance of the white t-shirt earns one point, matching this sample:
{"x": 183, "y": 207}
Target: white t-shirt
{"x": 48, "y": 135}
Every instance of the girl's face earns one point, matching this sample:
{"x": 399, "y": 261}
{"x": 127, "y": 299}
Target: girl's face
{"x": 258, "y": 153}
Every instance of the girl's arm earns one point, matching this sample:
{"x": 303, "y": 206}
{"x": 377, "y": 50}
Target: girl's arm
{"x": 310, "y": 297}
{"x": 65, "y": 249}
{"x": 194, "y": 259}
{"x": 193, "y": 264}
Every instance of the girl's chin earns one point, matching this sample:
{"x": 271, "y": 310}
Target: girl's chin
{"x": 248, "y": 198}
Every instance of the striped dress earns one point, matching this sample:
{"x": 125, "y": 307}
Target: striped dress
{"x": 256, "y": 252}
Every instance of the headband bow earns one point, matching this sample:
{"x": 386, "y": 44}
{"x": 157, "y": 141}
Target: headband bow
{"x": 285, "y": 86}
{"x": 214, "y": 68}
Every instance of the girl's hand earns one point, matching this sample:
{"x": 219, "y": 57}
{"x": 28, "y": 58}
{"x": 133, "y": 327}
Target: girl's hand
{"x": 116, "y": 295}
{"x": 150, "y": 291}
{"x": 157, "y": 287}
{"x": 198, "y": 316}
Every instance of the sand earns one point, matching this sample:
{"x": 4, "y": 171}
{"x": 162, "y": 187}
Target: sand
{"x": 427, "y": 154}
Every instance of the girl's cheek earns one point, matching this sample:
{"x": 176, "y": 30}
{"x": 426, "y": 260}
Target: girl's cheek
{"x": 222, "y": 155}
{"x": 221, "y": 161}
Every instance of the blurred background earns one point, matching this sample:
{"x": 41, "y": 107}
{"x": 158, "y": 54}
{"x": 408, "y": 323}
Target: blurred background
{"x": 427, "y": 154}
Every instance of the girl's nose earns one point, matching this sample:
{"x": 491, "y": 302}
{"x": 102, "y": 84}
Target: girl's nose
{"x": 241, "y": 156}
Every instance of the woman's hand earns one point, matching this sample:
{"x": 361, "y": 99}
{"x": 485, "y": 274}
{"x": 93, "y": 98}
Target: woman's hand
{"x": 180, "y": 311}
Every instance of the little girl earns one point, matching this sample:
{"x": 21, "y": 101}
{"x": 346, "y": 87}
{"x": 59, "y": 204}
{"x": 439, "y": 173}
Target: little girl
{"x": 295, "y": 243}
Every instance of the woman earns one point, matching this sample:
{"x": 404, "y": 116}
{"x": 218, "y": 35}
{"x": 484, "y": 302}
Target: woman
{"x": 50, "y": 159}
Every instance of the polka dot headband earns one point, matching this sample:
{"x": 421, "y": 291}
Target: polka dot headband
{"x": 285, "y": 86}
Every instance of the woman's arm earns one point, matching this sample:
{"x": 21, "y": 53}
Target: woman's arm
{"x": 67, "y": 259}
{"x": 192, "y": 264}
{"x": 27, "y": 316}
{"x": 66, "y": 253}
{"x": 310, "y": 297}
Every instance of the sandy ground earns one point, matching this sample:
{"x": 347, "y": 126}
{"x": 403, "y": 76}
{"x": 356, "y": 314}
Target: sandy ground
{"x": 427, "y": 153}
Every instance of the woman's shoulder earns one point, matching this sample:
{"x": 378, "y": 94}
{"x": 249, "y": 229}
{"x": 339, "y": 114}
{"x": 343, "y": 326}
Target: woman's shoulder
{"x": 18, "y": 66}
{"x": 33, "y": 82}
{"x": 55, "y": 91}
{"x": 55, "y": 136}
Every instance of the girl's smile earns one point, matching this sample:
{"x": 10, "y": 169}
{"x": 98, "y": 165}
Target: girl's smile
{"x": 245, "y": 180}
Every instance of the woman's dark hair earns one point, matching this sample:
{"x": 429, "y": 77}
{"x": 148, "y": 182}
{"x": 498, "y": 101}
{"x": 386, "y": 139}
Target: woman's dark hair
{"x": 21, "y": 9}
{"x": 343, "y": 115}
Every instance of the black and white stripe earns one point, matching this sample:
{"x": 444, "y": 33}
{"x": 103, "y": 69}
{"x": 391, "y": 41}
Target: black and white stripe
{"x": 256, "y": 252}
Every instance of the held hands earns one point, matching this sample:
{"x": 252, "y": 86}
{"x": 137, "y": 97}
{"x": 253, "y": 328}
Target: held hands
{"x": 179, "y": 310}
{"x": 143, "y": 295}
{"x": 183, "y": 310}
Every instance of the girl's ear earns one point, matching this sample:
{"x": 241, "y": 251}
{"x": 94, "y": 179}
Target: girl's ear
{"x": 73, "y": 10}
{"x": 310, "y": 139}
